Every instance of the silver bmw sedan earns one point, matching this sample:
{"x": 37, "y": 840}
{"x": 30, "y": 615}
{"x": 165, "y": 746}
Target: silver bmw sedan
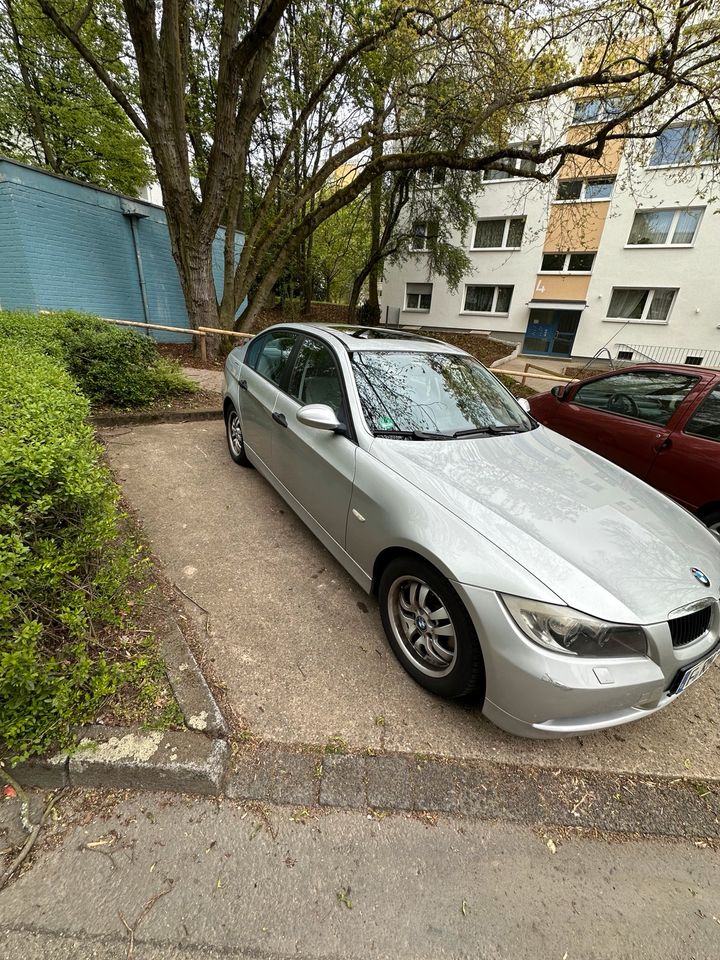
{"x": 509, "y": 563}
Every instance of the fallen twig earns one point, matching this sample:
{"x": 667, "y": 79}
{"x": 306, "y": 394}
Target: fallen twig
{"x": 30, "y": 842}
{"x": 141, "y": 916}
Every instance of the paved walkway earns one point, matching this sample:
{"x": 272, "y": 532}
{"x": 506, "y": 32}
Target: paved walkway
{"x": 205, "y": 879}
{"x": 211, "y": 380}
{"x": 299, "y": 647}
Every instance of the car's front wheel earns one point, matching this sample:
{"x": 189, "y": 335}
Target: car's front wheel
{"x": 429, "y": 628}
{"x": 235, "y": 442}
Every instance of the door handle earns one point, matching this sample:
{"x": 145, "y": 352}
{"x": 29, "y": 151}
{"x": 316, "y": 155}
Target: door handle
{"x": 242, "y": 384}
{"x": 280, "y": 418}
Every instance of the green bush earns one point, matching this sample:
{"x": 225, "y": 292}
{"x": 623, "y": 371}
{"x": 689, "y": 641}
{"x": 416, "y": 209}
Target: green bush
{"x": 113, "y": 365}
{"x": 64, "y": 565}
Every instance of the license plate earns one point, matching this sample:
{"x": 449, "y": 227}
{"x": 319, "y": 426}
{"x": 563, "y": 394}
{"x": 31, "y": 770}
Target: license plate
{"x": 691, "y": 674}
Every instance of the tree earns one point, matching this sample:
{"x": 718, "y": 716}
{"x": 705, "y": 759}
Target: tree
{"x": 408, "y": 87}
{"x": 53, "y": 109}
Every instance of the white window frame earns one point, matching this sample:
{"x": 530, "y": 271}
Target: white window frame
{"x": 506, "y": 231}
{"x": 694, "y": 161}
{"x": 678, "y": 211}
{"x": 603, "y": 113}
{"x": 487, "y": 313}
{"x": 582, "y": 198}
{"x": 565, "y": 272}
{"x": 415, "y": 237}
{"x": 646, "y": 308}
{"x": 515, "y": 161}
{"x": 418, "y": 309}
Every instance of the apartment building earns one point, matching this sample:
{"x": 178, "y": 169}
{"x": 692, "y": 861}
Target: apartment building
{"x": 620, "y": 255}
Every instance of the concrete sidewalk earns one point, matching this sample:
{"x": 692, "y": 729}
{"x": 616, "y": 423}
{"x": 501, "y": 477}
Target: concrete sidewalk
{"x": 299, "y": 647}
{"x": 200, "y": 878}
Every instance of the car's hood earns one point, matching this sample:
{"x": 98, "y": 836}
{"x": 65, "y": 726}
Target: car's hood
{"x": 598, "y": 537}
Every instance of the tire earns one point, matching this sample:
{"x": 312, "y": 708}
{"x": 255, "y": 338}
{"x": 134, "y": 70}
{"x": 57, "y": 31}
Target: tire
{"x": 233, "y": 434}
{"x": 712, "y": 520}
{"x": 429, "y": 629}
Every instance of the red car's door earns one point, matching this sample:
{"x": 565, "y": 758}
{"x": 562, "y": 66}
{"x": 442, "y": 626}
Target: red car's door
{"x": 626, "y": 417}
{"x": 687, "y": 467}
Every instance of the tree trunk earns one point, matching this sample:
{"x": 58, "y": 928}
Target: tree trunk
{"x": 198, "y": 287}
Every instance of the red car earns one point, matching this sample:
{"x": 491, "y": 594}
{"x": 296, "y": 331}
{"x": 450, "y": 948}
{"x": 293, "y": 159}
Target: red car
{"x": 658, "y": 421}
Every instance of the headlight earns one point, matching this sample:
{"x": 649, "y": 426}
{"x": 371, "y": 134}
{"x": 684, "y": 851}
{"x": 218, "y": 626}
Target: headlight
{"x": 568, "y": 631}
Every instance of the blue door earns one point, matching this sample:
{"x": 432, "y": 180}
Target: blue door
{"x": 551, "y": 332}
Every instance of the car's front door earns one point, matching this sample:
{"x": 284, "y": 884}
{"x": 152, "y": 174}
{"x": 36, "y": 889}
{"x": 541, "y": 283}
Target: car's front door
{"x": 258, "y": 389}
{"x": 315, "y": 466}
{"x": 688, "y": 466}
{"x": 626, "y": 417}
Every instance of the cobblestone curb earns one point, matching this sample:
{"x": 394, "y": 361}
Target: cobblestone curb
{"x": 162, "y": 416}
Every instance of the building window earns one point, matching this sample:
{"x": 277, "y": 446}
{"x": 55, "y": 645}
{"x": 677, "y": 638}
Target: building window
{"x": 686, "y": 143}
{"x": 521, "y": 168}
{"x": 423, "y": 232}
{"x": 641, "y": 304}
{"x": 482, "y": 299}
{"x": 427, "y": 179}
{"x": 598, "y": 109}
{"x": 418, "y": 296}
{"x": 495, "y": 234}
{"x": 567, "y": 262}
{"x": 597, "y": 188}
{"x": 665, "y": 228}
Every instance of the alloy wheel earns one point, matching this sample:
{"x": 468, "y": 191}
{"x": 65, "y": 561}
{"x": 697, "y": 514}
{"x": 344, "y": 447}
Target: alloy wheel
{"x": 234, "y": 431}
{"x": 422, "y": 626}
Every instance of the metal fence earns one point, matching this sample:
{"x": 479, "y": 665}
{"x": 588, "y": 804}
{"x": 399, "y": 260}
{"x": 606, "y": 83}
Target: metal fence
{"x": 691, "y": 356}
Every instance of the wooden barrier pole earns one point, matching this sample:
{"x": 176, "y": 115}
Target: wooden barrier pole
{"x": 532, "y": 376}
{"x": 225, "y": 333}
{"x": 203, "y": 348}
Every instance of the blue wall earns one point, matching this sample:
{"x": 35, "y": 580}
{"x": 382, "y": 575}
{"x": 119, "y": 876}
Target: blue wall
{"x": 68, "y": 246}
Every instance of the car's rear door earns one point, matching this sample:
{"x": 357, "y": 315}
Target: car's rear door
{"x": 315, "y": 466}
{"x": 626, "y": 416}
{"x": 260, "y": 374}
{"x": 687, "y": 467}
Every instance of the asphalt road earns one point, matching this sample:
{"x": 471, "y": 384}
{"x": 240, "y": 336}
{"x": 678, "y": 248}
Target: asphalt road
{"x": 203, "y": 878}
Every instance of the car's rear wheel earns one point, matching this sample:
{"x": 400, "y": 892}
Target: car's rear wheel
{"x": 429, "y": 629}
{"x": 235, "y": 442}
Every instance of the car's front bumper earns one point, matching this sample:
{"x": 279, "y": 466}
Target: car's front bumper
{"x": 533, "y": 692}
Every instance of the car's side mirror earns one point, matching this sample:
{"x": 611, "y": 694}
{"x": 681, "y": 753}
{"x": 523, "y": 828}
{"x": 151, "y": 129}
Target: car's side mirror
{"x": 320, "y": 416}
{"x": 560, "y": 391}
{"x": 524, "y": 403}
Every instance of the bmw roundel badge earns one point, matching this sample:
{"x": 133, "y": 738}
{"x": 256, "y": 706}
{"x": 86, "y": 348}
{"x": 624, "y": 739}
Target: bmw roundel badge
{"x": 700, "y": 576}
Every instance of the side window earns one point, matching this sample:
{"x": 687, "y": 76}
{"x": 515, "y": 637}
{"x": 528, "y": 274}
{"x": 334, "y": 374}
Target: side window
{"x": 705, "y": 422}
{"x": 253, "y": 351}
{"x": 645, "y": 395}
{"x": 272, "y": 354}
{"x": 315, "y": 377}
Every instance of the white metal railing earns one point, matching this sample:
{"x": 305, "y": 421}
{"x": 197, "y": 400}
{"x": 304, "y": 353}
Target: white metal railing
{"x": 692, "y": 356}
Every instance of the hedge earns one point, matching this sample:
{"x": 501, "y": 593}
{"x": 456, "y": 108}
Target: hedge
{"x": 113, "y": 365}
{"x": 64, "y": 564}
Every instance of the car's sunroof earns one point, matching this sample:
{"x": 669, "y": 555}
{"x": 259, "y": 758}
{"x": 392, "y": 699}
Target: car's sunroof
{"x": 377, "y": 333}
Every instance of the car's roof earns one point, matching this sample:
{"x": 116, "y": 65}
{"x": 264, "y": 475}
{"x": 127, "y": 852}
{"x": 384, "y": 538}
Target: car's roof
{"x": 355, "y": 338}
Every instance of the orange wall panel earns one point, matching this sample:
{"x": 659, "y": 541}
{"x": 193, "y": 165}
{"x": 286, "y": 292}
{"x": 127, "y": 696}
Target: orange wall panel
{"x": 576, "y": 226}
{"x": 548, "y": 287}
{"x": 576, "y": 167}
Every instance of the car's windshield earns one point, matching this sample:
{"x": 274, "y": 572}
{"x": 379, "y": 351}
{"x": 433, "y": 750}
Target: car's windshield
{"x": 419, "y": 394}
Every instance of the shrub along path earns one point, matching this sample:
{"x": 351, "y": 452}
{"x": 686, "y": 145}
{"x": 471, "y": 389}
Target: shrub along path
{"x": 72, "y": 574}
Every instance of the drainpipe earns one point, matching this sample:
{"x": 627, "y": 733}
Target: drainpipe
{"x": 134, "y": 214}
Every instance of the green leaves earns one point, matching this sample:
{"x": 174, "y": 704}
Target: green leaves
{"x": 53, "y": 109}
{"x": 111, "y": 365}
{"x": 65, "y": 564}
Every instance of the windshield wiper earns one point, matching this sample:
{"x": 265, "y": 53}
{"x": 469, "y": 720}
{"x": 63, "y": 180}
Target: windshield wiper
{"x": 490, "y": 430}
{"x": 413, "y": 435}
